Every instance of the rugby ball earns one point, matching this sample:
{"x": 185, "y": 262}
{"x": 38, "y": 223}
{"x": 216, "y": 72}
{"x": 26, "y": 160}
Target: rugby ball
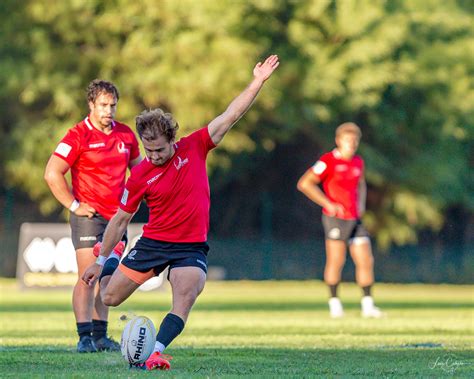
{"x": 138, "y": 339}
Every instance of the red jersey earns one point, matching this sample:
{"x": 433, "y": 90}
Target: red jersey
{"x": 340, "y": 179}
{"x": 177, "y": 193}
{"x": 98, "y": 163}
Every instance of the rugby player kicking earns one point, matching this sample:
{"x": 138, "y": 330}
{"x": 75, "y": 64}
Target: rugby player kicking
{"x": 173, "y": 181}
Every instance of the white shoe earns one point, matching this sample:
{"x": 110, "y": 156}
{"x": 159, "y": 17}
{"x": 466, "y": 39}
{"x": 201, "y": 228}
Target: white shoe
{"x": 335, "y": 308}
{"x": 369, "y": 310}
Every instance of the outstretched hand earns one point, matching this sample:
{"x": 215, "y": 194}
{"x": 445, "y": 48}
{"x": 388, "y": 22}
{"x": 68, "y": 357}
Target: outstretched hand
{"x": 264, "y": 70}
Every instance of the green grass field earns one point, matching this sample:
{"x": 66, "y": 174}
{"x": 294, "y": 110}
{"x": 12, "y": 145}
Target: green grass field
{"x": 255, "y": 329}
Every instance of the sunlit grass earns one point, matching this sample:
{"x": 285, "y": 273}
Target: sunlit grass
{"x": 267, "y": 325}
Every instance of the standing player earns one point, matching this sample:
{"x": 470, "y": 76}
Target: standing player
{"x": 173, "y": 180}
{"x": 98, "y": 151}
{"x": 341, "y": 173}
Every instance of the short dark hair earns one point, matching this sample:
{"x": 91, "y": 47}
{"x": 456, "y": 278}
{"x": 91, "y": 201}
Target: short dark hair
{"x": 155, "y": 123}
{"x": 98, "y": 86}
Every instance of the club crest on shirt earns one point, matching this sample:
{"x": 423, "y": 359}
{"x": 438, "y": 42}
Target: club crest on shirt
{"x": 180, "y": 163}
{"x": 121, "y": 148}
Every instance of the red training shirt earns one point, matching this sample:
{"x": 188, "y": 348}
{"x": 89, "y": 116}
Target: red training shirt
{"x": 176, "y": 193}
{"x": 98, "y": 163}
{"x": 340, "y": 179}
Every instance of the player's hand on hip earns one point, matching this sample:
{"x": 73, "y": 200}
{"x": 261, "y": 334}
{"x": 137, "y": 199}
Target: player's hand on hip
{"x": 92, "y": 274}
{"x": 263, "y": 70}
{"x": 85, "y": 210}
{"x": 335, "y": 210}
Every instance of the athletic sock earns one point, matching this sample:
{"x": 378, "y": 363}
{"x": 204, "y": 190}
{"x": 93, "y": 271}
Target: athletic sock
{"x": 109, "y": 267}
{"x": 170, "y": 327}
{"x": 99, "y": 329}
{"x": 367, "y": 290}
{"x": 333, "y": 289}
{"x": 114, "y": 255}
{"x": 84, "y": 329}
{"x": 159, "y": 347}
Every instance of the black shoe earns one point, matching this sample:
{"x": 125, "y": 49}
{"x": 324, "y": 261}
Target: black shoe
{"x": 106, "y": 344}
{"x": 86, "y": 345}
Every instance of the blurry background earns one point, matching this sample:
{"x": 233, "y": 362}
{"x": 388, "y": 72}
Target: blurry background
{"x": 401, "y": 69}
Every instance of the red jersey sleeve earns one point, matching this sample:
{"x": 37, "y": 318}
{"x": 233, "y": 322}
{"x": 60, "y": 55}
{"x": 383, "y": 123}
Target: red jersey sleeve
{"x": 321, "y": 168}
{"x": 133, "y": 194}
{"x": 70, "y": 146}
{"x": 204, "y": 140}
{"x": 135, "y": 151}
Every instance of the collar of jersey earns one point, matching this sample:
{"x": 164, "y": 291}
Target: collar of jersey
{"x": 90, "y": 126}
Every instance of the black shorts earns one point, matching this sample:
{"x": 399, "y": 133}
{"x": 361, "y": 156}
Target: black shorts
{"x": 149, "y": 258}
{"x": 86, "y": 232}
{"x": 343, "y": 230}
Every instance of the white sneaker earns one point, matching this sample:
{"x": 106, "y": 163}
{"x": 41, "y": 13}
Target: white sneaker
{"x": 369, "y": 310}
{"x": 335, "y": 308}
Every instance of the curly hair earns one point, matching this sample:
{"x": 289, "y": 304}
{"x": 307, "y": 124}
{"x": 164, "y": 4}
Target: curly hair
{"x": 155, "y": 123}
{"x": 98, "y": 86}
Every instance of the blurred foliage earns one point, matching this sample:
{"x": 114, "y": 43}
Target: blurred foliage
{"x": 402, "y": 69}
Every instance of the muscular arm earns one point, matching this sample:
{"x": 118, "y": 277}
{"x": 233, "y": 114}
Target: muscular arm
{"x": 54, "y": 175}
{"x": 113, "y": 233}
{"x": 237, "y": 108}
{"x": 308, "y": 185}
{"x": 362, "y": 192}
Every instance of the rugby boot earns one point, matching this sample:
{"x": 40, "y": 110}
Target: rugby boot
{"x": 86, "y": 345}
{"x": 158, "y": 361}
{"x": 369, "y": 310}
{"x": 106, "y": 344}
{"x": 335, "y": 308}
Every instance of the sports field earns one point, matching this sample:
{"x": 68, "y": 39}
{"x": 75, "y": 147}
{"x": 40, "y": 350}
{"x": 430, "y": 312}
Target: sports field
{"x": 256, "y": 329}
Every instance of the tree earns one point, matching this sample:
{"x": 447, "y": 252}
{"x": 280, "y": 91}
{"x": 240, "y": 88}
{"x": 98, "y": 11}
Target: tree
{"x": 401, "y": 69}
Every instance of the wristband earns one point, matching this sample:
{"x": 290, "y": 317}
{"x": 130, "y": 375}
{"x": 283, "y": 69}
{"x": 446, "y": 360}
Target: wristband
{"x": 100, "y": 260}
{"x": 75, "y": 204}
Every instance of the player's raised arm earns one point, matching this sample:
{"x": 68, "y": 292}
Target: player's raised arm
{"x": 237, "y": 108}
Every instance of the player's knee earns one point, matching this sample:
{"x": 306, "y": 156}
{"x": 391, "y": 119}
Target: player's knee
{"x": 110, "y": 299}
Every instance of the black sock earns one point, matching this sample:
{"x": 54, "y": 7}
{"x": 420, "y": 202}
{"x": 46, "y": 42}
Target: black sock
{"x": 367, "y": 290}
{"x": 99, "y": 329}
{"x": 170, "y": 327}
{"x": 84, "y": 329}
{"x": 109, "y": 267}
{"x": 333, "y": 289}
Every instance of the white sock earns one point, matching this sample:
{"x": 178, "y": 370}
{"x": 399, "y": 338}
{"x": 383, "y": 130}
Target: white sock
{"x": 159, "y": 347}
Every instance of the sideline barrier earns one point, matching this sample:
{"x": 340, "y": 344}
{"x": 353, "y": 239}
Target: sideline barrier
{"x": 46, "y": 256}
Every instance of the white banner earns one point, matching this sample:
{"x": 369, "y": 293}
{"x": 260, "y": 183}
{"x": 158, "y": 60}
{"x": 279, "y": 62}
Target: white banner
{"x": 46, "y": 256}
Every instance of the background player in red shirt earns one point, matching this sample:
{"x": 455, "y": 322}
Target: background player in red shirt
{"x": 341, "y": 173}
{"x": 98, "y": 151}
{"x": 173, "y": 181}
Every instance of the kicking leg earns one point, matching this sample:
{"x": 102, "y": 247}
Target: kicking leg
{"x": 186, "y": 283}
